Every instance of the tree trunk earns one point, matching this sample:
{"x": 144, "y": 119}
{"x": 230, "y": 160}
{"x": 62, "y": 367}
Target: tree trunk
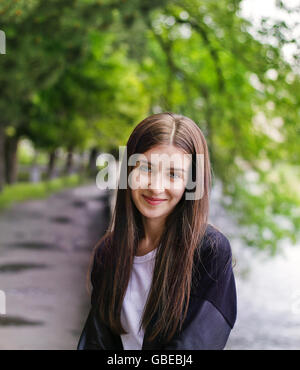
{"x": 2, "y": 158}
{"x": 92, "y": 161}
{"x": 82, "y": 164}
{"x": 11, "y": 159}
{"x": 51, "y": 165}
{"x": 69, "y": 162}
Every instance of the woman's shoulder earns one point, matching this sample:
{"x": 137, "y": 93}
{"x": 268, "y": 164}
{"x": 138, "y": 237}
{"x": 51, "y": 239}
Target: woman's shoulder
{"x": 214, "y": 251}
{"x": 102, "y": 243}
{"x": 99, "y": 250}
{"x": 213, "y": 260}
{"x": 96, "y": 263}
{"x": 215, "y": 242}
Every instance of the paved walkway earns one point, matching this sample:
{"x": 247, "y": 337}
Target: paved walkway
{"x": 45, "y": 249}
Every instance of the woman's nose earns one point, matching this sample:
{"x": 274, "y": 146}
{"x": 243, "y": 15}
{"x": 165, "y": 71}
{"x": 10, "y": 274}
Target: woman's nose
{"x": 157, "y": 182}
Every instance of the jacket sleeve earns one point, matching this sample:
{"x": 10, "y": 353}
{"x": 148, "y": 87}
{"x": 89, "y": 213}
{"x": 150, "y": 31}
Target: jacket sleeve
{"x": 90, "y": 337}
{"x": 212, "y": 308}
{"x": 93, "y": 331}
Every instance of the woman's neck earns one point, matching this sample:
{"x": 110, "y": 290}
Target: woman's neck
{"x": 153, "y": 231}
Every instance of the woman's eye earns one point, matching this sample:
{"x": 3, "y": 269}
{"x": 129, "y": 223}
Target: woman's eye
{"x": 144, "y": 168}
{"x": 175, "y": 175}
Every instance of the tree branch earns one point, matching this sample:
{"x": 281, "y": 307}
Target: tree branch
{"x": 213, "y": 52}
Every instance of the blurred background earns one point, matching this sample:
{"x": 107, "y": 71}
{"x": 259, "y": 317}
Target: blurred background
{"x": 76, "y": 76}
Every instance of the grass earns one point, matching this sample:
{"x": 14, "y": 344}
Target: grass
{"x": 20, "y": 192}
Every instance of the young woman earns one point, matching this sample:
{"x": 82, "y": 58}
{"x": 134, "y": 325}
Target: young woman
{"x": 162, "y": 276}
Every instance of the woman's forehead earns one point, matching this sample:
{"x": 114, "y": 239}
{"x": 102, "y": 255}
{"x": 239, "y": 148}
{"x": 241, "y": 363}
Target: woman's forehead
{"x": 166, "y": 155}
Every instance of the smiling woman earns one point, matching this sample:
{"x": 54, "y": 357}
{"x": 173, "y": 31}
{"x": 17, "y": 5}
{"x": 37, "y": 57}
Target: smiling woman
{"x": 161, "y": 275}
{"x": 158, "y": 192}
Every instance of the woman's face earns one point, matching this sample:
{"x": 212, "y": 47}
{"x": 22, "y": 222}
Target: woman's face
{"x": 158, "y": 180}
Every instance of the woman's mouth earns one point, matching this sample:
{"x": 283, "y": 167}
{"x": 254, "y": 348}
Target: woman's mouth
{"x": 153, "y": 201}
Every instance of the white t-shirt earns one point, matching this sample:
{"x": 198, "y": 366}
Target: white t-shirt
{"x": 135, "y": 299}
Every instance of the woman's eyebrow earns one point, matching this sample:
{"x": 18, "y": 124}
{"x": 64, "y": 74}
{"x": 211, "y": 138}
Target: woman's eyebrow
{"x": 170, "y": 168}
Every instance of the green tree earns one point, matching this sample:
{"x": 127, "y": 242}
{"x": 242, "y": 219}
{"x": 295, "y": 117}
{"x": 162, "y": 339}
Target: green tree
{"x": 201, "y": 60}
{"x": 43, "y": 38}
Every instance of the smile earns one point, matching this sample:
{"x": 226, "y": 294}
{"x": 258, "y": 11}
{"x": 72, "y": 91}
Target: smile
{"x": 153, "y": 201}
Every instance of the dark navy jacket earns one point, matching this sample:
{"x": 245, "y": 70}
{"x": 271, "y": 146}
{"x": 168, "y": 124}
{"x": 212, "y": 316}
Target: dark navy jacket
{"x": 211, "y": 313}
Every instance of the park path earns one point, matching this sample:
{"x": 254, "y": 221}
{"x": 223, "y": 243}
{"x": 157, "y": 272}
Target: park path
{"x": 45, "y": 249}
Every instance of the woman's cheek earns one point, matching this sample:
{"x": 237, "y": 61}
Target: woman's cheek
{"x": 177, "y": 187}
{"x": 137, "y": 180}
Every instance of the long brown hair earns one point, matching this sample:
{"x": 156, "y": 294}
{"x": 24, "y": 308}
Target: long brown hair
{"x": 169, "y": 295}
